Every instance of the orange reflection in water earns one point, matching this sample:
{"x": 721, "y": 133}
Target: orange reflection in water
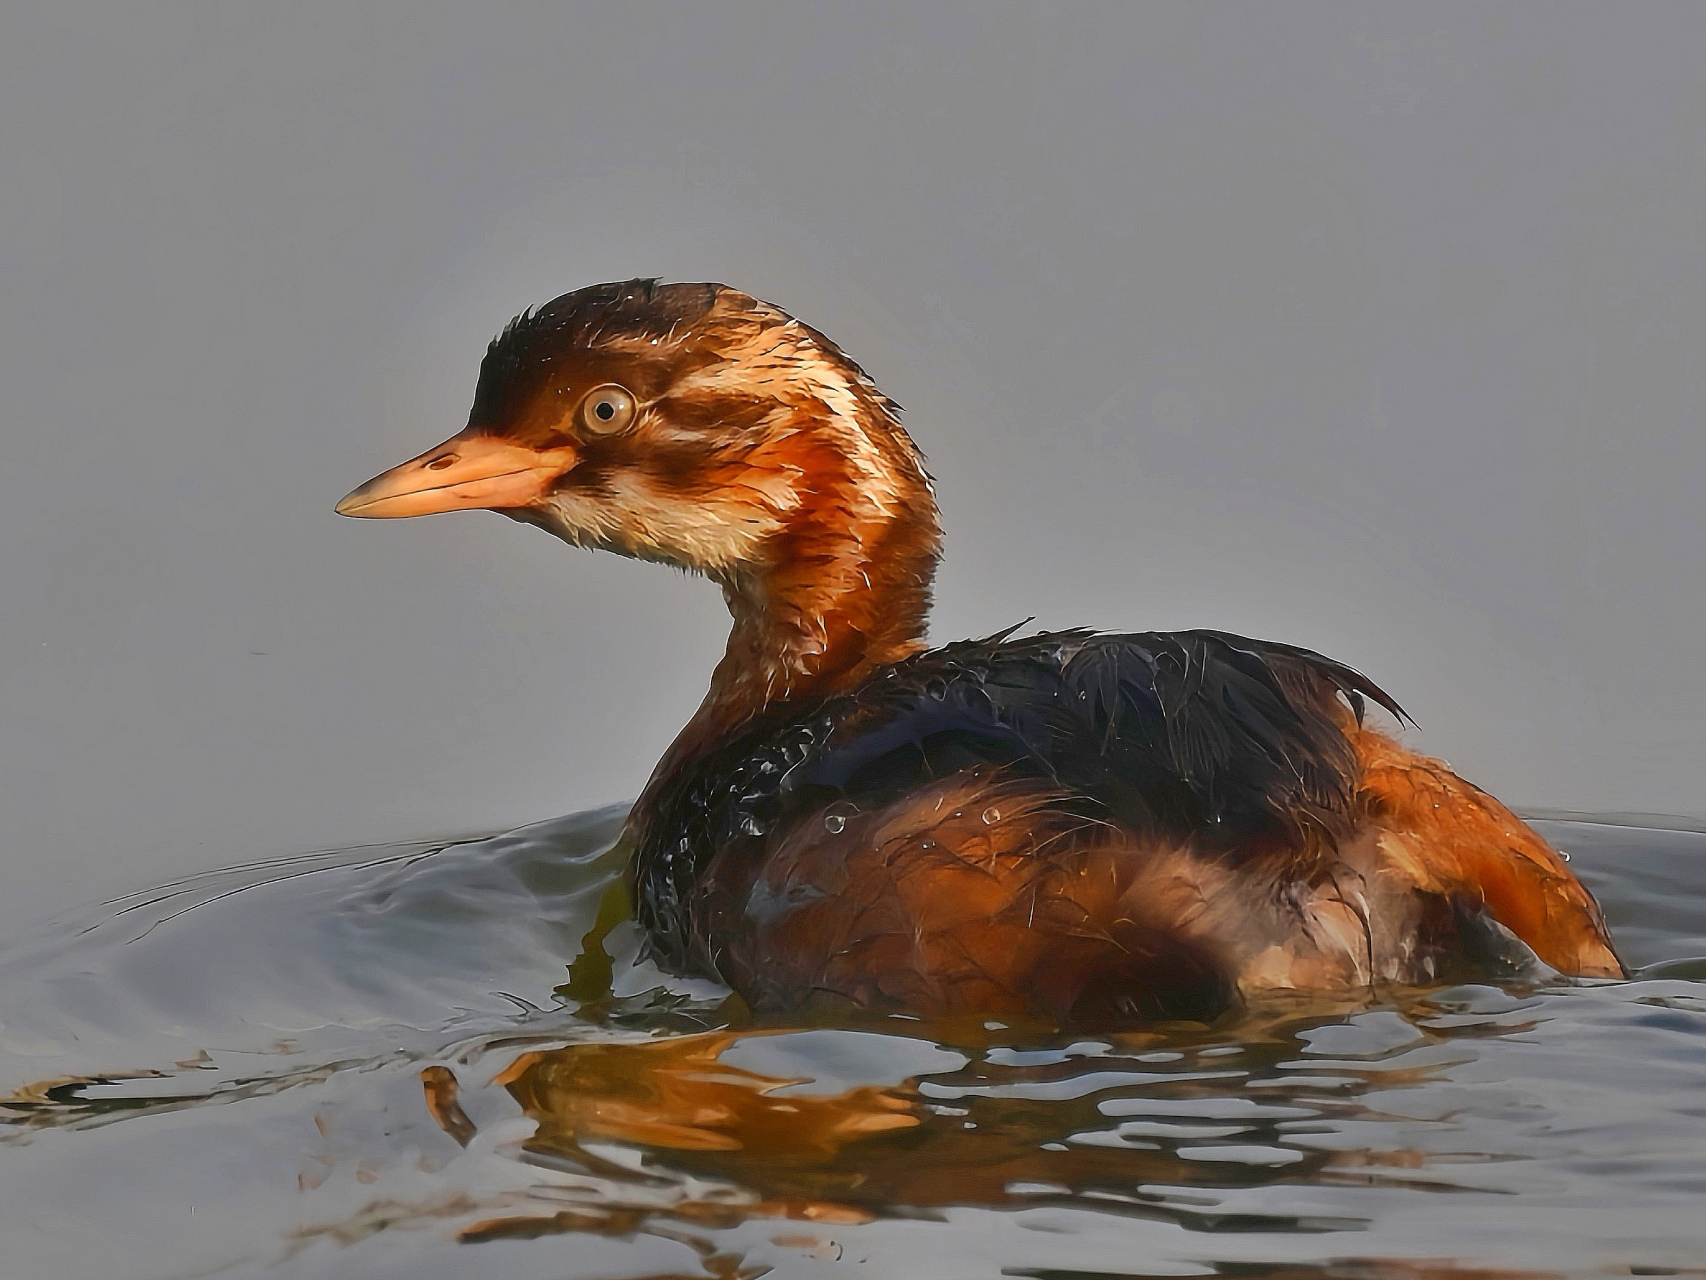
{"x": 841, "y": 1158}
{"x": 675, "y": 1094}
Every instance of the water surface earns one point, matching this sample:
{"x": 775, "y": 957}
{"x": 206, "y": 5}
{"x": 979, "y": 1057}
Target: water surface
{"x": 368, "y": 1063}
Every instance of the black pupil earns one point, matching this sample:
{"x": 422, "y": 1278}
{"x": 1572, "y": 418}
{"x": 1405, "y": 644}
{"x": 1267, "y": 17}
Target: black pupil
{"x": 605, "y": 410}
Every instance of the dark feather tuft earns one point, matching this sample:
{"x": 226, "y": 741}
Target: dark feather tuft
{"x": 640, "y": 308}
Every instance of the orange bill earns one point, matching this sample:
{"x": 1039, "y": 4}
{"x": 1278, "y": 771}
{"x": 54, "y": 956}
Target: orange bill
{"x": 466, "y": 472}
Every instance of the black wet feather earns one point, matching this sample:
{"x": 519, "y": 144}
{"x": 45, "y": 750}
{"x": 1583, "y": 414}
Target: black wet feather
{"x": 1194, "y": 736}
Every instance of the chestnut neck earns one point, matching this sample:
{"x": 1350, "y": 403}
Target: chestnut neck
{"x": 844, "y": 591}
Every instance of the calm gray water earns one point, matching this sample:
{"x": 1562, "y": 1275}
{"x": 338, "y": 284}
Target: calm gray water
{"x": 358, "y": 1064}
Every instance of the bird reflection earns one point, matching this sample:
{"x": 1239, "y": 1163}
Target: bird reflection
{"x": 741, "y": 1144}
{"x": 676, "y": 1095}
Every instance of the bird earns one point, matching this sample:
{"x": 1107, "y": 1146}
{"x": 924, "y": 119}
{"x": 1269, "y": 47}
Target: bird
{"x": 1084, "y": 828}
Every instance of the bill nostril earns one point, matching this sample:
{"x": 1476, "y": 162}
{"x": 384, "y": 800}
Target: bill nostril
{"x": 439, "y": 464}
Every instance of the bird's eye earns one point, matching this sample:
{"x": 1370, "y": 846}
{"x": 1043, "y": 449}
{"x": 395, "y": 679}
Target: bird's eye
{"x": 607, "y": 410}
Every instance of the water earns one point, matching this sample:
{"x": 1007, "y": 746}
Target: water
{"x": 366, "y": 1064}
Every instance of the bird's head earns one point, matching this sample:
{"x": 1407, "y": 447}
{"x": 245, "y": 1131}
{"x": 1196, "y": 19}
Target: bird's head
{"x": 685, "y": 423}
{"x": 694, "y": 425}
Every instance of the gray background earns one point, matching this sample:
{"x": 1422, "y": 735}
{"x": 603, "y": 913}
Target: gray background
{"x": 1371, "y": 328}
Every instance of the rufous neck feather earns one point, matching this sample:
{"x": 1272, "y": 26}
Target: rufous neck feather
{"x": 844, "y": 587}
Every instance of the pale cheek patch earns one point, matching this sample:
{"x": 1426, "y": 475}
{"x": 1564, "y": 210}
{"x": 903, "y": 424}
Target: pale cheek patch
{"x": 712, "y": 535}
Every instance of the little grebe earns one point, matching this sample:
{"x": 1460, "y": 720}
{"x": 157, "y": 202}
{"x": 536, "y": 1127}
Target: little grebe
{"x": 1092, "y": 829}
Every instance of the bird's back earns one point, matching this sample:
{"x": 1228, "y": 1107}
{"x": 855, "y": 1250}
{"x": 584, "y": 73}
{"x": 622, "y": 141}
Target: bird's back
{"x": 1234, "y": 753}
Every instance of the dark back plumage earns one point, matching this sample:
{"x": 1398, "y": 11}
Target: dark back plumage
{"x": 1196, "y": 736}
